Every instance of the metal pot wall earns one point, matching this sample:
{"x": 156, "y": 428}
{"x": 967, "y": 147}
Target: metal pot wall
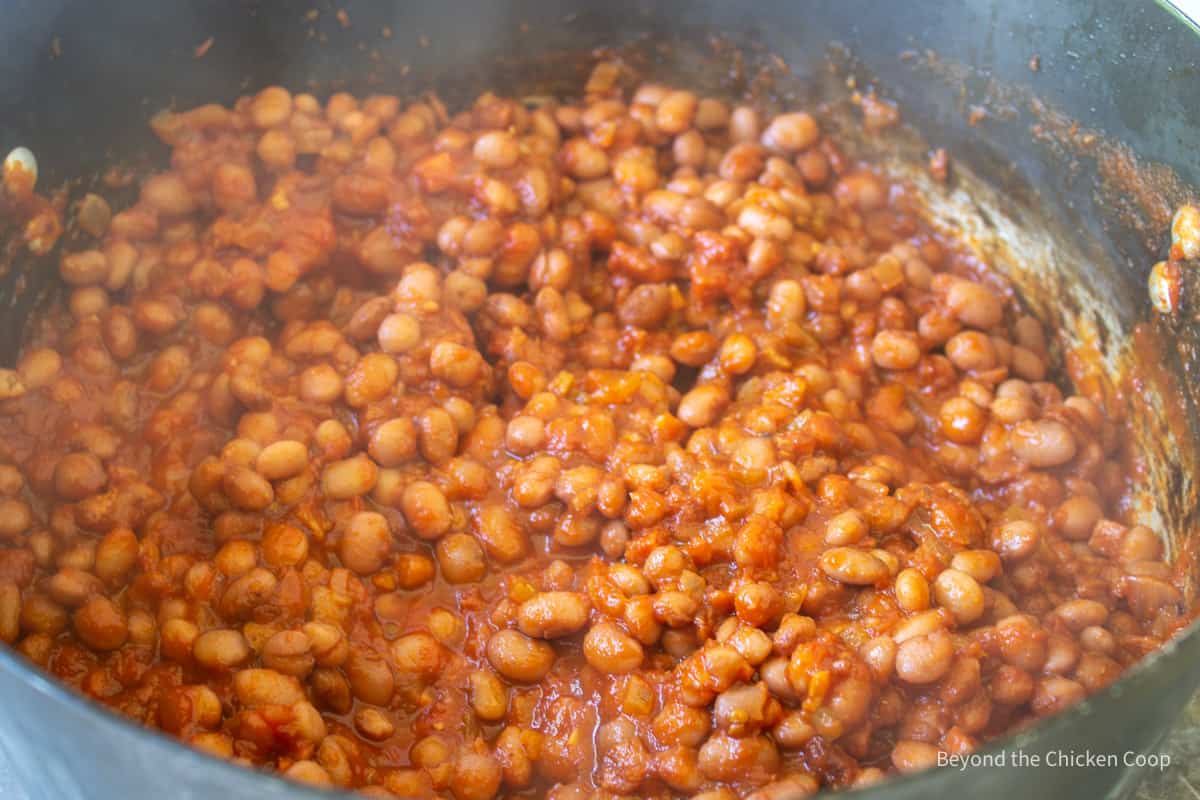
{"x": 78, "y": 80}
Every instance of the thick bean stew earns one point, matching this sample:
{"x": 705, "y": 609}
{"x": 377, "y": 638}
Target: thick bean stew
{"x": 640, "y": 445}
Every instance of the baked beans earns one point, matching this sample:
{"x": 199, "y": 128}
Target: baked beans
{"x": 639, "y": 444}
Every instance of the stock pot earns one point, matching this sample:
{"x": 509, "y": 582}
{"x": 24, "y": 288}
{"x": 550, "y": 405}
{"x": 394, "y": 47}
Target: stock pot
{"x": 1070, "y": 127}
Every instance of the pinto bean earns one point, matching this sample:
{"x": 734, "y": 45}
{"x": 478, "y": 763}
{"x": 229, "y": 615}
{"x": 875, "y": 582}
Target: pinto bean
{"x": 519, "y": 658}
{"x": 924, "y": 659}
{"x": 1044, "y": 443}
{"x": 257, "y": 687}
{"x": 791, "y": 132}
{"x": 961, "y": 594}
{"x": 852, "y": 566}
{"x": 281, "y": 460}
{"x": 611, "y": 650}
{"x": 549, "y": 615}
{"x": 974, "y": 304}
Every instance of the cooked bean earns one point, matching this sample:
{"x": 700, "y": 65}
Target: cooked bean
{"x": 371, "y": 379}
{"x": 1054, "y": 694}
{"x": 373, "y": 724}
{"x": 548, "y": 615}
{"x": 399, "y": 333}
{"x": 245, "y": 594}
{"x": 1017, "y": 540}
{"x": 895, "y": 350}
{"x": 365, "y": 543}
{"x": 646, "y": 306}
{"x": 974, "y": 304}
{"x": 461, "y": 558}
{"x": 489, "y": 697}
{"x": 584, "y": 160}
{"x": 1146, "y": 595}
{"x": 1022, "y": 643}
{"x": 246, "y": 489}
{"x": 912, "y": 590}
{"x": 501, "y": 535}
{"x": 971, "y": 351}
{"x": 220, "y": 649}
{"x": 417, "y": 654}
{"x": 476, "y": 776}
{"x": 519, "y": 658}
{"x": 728, "y": 758}
{"x": 1044, "y": 443}
{"x": 271, "y": 107}
{"x": 369, "y": 675}
{"x": 289, "y": 652}
{"x": 281, "y": 460}
{"x": 39, "y": 367}
{"x": 880, "y": 655}
{"x": 924, "y": 659}
{"x": 675, "y": 112}
{"x": 982, "y": 565}
{"x": 1140, "y": 544}
{"x": 78, "y": 475}
{"x": 611, "y": 650}
{"x": 912, "y": 756}
{"x": 425, "y": 509}
{"x": 791, "y": 132}
{"x": 846, "y": 528}
{"x": 758, "y": 603}
{"x": 15, "y": 517}
{"x": 437, "y": 436}
{"x": 701, "y": 406}
{"x": 456, "y": 365}
{"x": 962, "y": 421}
{"x": 351, "y": 477}
{"x": 101, "y": 624}
{"x": 525, "y": 434}
{"x": 496, "y": 149}
{"x": 855, "y": 567}
{"x": 741, "y": 709}
{"x": 255, "y": 687}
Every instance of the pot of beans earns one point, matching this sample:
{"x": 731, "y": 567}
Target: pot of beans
{"x": 560, "y": 400}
